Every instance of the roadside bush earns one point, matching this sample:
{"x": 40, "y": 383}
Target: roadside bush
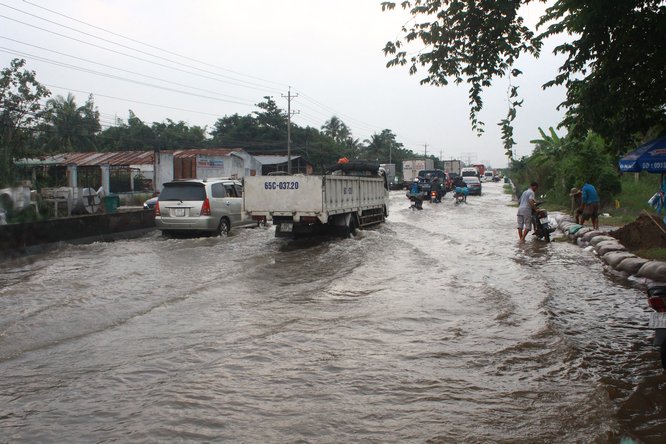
{"x": 561, "y": 164}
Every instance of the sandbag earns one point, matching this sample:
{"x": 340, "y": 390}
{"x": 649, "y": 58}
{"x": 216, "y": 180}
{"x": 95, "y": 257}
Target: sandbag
{"x": 582, "y": 231}
{"x": 606, "y": 246}
{"x": 597, "y": 239}
{"x": 564, "y": 226}
{"x": 590, "y": 234}
{"x": 574, "y": 228}
{"x": 631, "y": 265}
{"x": 613, "y": 258}
{"x": 655, "y": 270}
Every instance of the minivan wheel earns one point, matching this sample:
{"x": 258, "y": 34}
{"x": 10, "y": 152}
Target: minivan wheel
{"x": 223, "y": 227}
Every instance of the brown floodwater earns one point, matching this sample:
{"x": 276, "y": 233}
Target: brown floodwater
{"x": 436, "y": 327}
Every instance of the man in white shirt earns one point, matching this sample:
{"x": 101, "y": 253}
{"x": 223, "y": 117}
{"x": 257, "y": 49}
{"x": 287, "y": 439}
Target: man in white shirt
{"x": 527, "y": 204}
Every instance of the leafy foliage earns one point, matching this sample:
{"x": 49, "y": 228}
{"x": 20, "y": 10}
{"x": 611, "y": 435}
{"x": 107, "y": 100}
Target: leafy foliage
{"x": 68, "y": 127}
{"x": 560, "y": 163}
{"x": 613, "y": 72}
{"x": 465, "y": 42}
{"x": 20, "y": 112}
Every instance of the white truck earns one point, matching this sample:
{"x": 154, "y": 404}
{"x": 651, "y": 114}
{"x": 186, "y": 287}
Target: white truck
{"x": 343, "y": 200}
{"x": 411, "y": 168}
{"x": 452, "y": 166}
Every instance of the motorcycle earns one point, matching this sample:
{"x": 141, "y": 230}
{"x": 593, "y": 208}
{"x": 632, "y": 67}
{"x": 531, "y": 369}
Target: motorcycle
{"x": 657, "y": 301}
{"x": 434, "y": 197}
{"x": 417, "y": 201}
{"x": 541, "y": 223}
{"x": 460, "y": 195}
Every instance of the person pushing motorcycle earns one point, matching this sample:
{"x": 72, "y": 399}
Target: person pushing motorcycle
{"x": 525, "y": 207}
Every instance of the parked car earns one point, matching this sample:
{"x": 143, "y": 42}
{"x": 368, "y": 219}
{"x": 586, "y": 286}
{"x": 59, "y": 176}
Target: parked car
{"x": 150, "y": 203}
{"x": 210, "y": 205}
{"x": 473, "y": 184}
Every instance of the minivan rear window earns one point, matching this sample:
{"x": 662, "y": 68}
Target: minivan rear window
{"x": 183, "y": 191}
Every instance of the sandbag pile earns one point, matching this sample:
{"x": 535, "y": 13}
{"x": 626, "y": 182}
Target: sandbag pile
{"x": 612, "y": 252}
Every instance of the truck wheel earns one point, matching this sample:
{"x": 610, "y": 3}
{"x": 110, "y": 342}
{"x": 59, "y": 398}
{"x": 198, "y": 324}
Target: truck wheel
{"x": 351, "y": 229}
{"x": 662, "y": 349}
{"x": 223, "y": 227}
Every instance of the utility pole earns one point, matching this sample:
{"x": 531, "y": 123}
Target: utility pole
{"x": 425, "y": 152}
{"x": 289, "y": 113}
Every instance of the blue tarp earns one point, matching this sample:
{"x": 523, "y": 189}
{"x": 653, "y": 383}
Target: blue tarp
{"x": 650, "y": 157}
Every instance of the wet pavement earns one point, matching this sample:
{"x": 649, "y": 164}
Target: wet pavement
{"x": 436, "y": 326}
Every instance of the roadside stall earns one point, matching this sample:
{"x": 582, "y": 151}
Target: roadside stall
{"x": 650, "y": 157}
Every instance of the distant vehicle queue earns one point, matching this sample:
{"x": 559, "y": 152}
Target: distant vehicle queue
{"x": 432, "y": 185}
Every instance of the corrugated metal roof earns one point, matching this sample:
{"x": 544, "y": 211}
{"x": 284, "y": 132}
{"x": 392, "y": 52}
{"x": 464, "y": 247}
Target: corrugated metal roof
{"x": 118, "y": 158}
{"x": 274, "y": 160}
{"x": 205, "y": 152}
{"x": 122, "y": 158}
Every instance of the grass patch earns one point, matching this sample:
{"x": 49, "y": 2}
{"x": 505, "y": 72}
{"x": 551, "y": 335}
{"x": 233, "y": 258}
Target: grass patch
{"x": 652, "y": 253}
{"x": 636, "y": 191}
{"x": 508, "y": 189}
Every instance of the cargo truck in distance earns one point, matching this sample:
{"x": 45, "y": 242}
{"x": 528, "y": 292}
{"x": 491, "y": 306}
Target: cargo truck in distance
{"x": 452, "y": 166}
{"x": 348, "y": 196}
{"x": 411, "y": 168}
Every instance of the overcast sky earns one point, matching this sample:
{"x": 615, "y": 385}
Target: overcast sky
{"x": 199, "y": 60}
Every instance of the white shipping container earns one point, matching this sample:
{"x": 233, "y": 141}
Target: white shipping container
{"x": 318, "y": 196}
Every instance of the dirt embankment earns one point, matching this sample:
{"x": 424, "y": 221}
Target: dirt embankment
{"x": 645, "y": 232}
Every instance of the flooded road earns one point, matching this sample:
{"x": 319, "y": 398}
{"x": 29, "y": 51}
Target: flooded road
{"x": 437, "y": 326}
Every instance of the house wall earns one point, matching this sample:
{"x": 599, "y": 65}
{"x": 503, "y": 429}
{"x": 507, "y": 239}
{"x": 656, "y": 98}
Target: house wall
{"x": 251, "y": 166}
{"x": 163, "y": 170}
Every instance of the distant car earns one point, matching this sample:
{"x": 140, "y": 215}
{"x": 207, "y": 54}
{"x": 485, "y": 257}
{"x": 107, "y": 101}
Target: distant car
{"x": 211, "y": 206}
{"x": 441, "y": 176}
{"x": 150, "y": 203}
{"x": 488, "y": 176}
{"x": 473, "y": 184}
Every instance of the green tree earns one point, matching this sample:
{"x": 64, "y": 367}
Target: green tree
{"x": 336, "y": 130}
{"x": 614, "y": 69}
{"x": 264, "y": 128}
{"x": 560, "y": 163}
{"x": 69, "y": 127}
{"x": 133, "y": 135}
{"x": 613, "y": 72}
{"x": 20, "y": 112}
{"x": 172, "y": 135}
{"x": 234, "y": 129}
{"x": 381, "y": 147}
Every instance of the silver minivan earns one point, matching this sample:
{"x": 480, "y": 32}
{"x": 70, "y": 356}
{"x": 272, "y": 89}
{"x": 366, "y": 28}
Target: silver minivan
{"x": 201, "y": 205}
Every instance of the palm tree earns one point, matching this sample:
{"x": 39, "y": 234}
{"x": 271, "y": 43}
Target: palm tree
{"x": 337, "y": 130}
{"x": 70, "y": 127}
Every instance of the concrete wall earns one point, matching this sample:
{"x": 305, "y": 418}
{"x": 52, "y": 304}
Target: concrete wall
{"x": 18, "y": 239}
{"x": 163, "y": 170}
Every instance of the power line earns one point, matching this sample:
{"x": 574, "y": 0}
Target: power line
{"x": 132, "y": 101}
{"x": 113, "y": 67}
{"x": 135, "y": 57}
{"x": 111, "y": 76}
{"x": 125, "y": 46}
{"x": 118, "y": 69}
{"x": 152, "y": 46}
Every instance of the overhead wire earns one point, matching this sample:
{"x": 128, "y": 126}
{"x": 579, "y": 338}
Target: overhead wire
{"x": 118, "y": 69}
{"x": 356, "y": 122}
{"x": 136, "y": 57}
{"x": 152, "y": 46}
{"x": 112, "y": 76}
{"x": 131, "y": 100}
{"x": 126, "y": 47}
